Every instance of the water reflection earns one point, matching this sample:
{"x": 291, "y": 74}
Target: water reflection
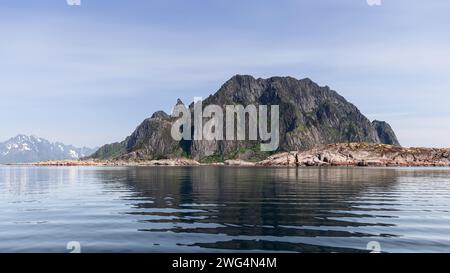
{"x": 275, "y": 203}
{"x": 196, "y": 209}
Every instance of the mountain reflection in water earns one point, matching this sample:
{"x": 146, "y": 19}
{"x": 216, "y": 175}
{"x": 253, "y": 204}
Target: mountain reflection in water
{"x": 223, "y": 209}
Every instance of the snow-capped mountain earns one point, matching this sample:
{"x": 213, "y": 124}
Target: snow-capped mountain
{"x": 27, "y": 149}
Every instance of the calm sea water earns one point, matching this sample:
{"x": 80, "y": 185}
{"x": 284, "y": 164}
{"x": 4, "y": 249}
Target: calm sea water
{"x": 220, "y": 209}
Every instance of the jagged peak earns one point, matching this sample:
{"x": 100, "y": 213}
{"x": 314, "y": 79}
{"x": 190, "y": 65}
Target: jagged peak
{"x": 375, "y": 121}
{"x": 21, "y": 136}
{"x": 27, "y": 138}
{"x": 30, "y": 148}
{"x": 240, "y": 77}
{"x": 239, "y": 80}
{"x": 303, "y": 102}
{"x": 249, "y": 78}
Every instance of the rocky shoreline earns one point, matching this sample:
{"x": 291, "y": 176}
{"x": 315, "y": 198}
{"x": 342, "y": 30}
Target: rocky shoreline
{"x": 362, "y": 155}
{"x": 106, "y": 163}
{"x": 344, "y": 154}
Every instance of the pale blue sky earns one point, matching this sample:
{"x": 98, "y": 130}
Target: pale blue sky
{"x": 89, "y": 75}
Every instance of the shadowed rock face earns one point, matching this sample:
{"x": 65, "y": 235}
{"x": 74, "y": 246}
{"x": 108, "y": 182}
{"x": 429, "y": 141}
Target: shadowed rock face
{"x": 385, "y": 133}
{"x": 310, "y": 115}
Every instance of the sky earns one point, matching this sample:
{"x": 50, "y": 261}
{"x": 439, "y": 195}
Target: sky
{"x": 89, "y": 75}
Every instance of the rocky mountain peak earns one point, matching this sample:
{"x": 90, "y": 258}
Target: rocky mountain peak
{"x": 27, "y": 149}
{"x": 310, "y": 115}
{"x": 160, "y": 115}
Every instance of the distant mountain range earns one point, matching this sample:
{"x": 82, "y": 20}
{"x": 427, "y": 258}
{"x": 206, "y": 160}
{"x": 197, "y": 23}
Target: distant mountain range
{"x": 28, "y": 149}
{"x": 310, "y": 115}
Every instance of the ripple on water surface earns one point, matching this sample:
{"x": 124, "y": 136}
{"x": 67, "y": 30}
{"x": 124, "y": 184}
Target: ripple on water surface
{"x": 205, "y": 209}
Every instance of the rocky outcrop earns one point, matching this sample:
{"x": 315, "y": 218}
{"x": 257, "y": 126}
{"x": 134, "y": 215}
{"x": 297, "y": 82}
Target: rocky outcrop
{"x": 385, "y": 133}
{"x": 361, "y": 154}
{"x": 310, "y": 115}
{"x": 151, "y": 140}
{"x": 162, "y": 162}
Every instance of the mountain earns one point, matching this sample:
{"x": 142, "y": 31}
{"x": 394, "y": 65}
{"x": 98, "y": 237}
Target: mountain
{"x": 385, "y": 132}
{"x": 27, "y": 149}
{"x": 310, "y": 115}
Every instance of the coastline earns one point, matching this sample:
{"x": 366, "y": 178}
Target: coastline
{"x": 343, "y": 154}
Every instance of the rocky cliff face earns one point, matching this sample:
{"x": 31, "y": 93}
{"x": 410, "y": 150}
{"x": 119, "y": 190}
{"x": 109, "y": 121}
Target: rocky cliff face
{"x": 385, "y": 133}
{"x": 361, "y": 154}
{"x": 310, "y": 115}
